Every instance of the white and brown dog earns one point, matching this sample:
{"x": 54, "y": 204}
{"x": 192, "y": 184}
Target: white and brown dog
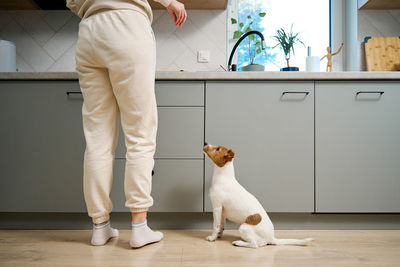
{"x": 231, "y": 201}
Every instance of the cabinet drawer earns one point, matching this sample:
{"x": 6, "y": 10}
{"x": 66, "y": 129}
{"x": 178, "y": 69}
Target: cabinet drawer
{"x": 180, "y": 133}
{"x": 177, "y": 186}
{"x": 180, "y": 93}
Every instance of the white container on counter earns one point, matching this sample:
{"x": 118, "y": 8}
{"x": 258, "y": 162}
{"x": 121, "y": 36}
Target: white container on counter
{"x": 8, "y": 54}
{"x": 312, "y": 62}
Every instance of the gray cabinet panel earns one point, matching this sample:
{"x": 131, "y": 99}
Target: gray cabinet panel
{"x": 177, "y": 186}
{"x": 272, "y": 133}
{"x": 180, "y": 93}
{"x": 180, "y": 133}
{"x": 42, "y": 147}
{"x": 357, "y": 147}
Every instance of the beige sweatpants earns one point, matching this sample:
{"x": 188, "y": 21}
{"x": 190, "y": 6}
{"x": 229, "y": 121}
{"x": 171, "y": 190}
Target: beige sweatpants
{"x": 115, "y": 59}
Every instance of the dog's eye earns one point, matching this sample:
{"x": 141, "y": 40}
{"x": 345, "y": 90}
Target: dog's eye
{"x": 218, "y": 149}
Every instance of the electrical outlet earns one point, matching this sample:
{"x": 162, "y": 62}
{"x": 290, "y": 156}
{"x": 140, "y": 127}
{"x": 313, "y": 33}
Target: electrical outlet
{"x": 203, "y": 56}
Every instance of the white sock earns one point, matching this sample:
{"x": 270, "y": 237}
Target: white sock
{"x": 102, "y": 233}
{"x": 143, "y": 235}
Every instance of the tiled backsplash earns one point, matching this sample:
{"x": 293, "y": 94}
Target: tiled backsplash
{"x": 376, "y": 23}
{"x": 46, "y": 40}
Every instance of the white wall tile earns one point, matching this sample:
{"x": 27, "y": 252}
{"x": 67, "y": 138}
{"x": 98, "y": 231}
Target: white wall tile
{"x": 33, "y": 24}
{"x": 41, "y": 12}
{"x": 187, "y": 60}
{"x": 383, "y": 21}
{"x": 193, "y": 38}
{"x": 209, "y": 26}
{"x": 5, "y": 19}
{"x": 22, "y": 66}
{"x": 163, "y": 27}
{"x": 168, "y": 51}
{"x": 157, "y": 14}
{"x": 64, "y": 63}
{"x": 56, "y": 19}
{"x": 63, "y": 39}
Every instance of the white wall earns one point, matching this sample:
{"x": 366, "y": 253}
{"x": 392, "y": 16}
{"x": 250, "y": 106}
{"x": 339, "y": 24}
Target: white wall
{"x": 46, "y": 40}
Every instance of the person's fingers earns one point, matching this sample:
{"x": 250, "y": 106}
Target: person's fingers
{"x": 184, "y": 20}
{"x": 173, "y": 15}
{"x": 180, "y": 18}
{"x": 178, "y": 12}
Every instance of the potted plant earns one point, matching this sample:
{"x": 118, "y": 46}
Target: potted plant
{"x": 253, "y": 46}
{"x": 286, "y": 41}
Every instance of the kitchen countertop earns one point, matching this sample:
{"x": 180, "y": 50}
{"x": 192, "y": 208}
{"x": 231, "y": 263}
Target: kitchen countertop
{"x": 220, "y": 75}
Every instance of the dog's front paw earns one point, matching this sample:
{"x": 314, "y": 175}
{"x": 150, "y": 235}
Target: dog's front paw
{"x": 211, "y": 238}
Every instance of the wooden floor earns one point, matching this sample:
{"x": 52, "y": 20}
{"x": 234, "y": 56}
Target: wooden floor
{"x": 189, "y": 248}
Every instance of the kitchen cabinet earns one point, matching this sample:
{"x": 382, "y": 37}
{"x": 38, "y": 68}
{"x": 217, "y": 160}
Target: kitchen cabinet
{"x": 270, "y": 126}
{"x": 357, "y": 146}
{"x": 43, "y": 146}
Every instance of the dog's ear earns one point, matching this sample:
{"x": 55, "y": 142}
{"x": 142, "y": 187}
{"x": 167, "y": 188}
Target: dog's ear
{"x": 229, "y": 155}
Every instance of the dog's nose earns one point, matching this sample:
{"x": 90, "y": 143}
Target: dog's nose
{"x": 205, "y": 143}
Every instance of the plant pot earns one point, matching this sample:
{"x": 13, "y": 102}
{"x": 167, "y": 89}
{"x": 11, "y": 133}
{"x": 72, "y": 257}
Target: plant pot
{"x": 253, "y": 67}
{"x": 290, "y": 69}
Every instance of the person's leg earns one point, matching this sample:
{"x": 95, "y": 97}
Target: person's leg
{"x": 100, "y": 118}
{"x": 100, "y": 125}
{"x": 139, "y": 216}
{"x": 129, "y": 53}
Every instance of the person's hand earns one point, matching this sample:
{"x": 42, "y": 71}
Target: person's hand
{"x": 178, "y": 12}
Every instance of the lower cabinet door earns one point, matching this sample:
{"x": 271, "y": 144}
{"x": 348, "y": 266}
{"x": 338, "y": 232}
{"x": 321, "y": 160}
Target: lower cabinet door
{"x": 357, "y": 146}
{"x": 270, "y": 126}
{"x": 177, "y": 186}
{"x": 42, "y": 147}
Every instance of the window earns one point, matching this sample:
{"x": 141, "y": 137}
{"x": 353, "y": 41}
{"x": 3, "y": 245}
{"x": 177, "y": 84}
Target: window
{"x": 309, "y": 18}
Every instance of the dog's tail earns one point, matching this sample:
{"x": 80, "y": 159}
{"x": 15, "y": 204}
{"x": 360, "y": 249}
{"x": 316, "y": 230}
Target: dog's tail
{"x": 299, "y": 242}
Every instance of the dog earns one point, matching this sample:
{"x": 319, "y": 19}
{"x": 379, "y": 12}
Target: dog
{"x": 232, "y": 201}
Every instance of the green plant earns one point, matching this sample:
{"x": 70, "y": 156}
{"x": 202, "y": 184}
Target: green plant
{"x": 245, "y": 28}
{"x": 286, "y": 41}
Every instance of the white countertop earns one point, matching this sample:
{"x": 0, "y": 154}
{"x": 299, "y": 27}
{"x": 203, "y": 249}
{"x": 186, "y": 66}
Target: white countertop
{"x": 220, "y": 75}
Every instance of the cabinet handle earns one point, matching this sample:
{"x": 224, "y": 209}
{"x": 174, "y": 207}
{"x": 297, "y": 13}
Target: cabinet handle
{"x": 74, "y": 93}
{"x": 306, "y": 93}
{"x": 370, "y": 92}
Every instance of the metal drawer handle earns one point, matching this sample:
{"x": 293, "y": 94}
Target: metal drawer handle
{"x": 306, "y": 93}
{"x": 74, "y": 93}
{"x": 370, "y": 92}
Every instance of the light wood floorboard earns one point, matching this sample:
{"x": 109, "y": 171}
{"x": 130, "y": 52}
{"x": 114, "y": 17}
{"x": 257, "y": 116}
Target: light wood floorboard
{"x": 189, "y": 248}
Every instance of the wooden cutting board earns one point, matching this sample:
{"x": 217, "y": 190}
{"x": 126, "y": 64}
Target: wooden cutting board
{"x": 382, "y": 53}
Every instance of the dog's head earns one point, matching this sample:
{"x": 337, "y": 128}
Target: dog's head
{"x": 220, "y": 155}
